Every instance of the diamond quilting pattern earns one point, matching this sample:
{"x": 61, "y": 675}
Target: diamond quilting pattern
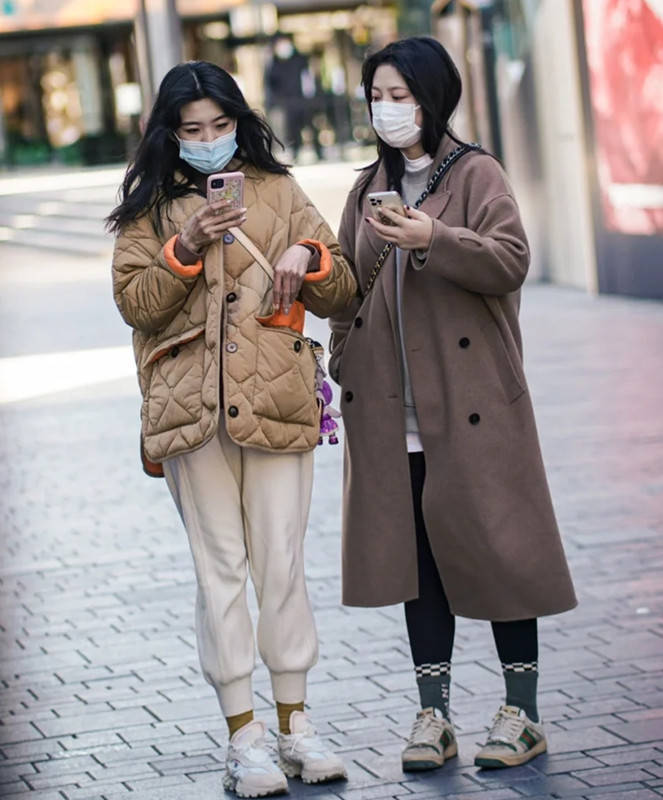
{"x": 181, "y": 394}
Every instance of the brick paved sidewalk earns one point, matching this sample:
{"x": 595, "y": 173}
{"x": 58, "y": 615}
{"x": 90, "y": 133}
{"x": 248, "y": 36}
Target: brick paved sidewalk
{"x": 102, "y": 694}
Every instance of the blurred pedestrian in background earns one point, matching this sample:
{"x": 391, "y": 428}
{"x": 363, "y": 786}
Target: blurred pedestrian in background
{"x": 290, "y": 85}
{"x": 229, "y": 405}
{"x": 446, "y": 504}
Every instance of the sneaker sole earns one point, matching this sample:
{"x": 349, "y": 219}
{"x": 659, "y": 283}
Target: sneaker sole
{"x": 234, "y": 786}
{"x": 515, "y": 760}
{"x": 293, "y": 770}
{"x": 421, "y": 764}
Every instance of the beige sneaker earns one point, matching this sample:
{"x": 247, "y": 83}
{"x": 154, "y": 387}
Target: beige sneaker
{"x": 431, "y": 742}
{"x": 250, "y": 771}
{"x": 512, "y": 740}
{"x": 302, "y": 754}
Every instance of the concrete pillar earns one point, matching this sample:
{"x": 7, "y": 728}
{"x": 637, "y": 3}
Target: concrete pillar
{"x": 158, "y": 43}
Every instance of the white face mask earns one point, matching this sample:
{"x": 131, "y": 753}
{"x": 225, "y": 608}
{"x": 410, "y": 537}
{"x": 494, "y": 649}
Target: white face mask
{"x": 394, "y": 123}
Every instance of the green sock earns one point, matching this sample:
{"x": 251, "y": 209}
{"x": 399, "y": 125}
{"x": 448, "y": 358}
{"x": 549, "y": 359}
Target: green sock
{"x": 521, "y": 683}
{"x": 433, "y": 682}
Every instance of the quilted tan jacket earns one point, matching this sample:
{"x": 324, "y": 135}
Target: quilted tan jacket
{"x": 197, "y": 341}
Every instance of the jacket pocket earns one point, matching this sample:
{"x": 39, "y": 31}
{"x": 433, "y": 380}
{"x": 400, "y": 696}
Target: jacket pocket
{"x": 164, "y": 346}
{"x": 176, "y": 370}
{"x": 284, "y": 389}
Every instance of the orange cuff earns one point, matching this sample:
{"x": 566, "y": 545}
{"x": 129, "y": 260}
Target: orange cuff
{"x": 183, "y": 270}
{"x": 325, "y": 261}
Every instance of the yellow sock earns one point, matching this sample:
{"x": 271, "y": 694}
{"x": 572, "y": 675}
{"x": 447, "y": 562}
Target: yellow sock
{"x": 238, "y": 721}
{"x": 283, "y": 711}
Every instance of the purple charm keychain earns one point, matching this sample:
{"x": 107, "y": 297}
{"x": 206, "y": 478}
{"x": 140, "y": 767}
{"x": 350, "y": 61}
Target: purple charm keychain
{"x": 323, "y": 396}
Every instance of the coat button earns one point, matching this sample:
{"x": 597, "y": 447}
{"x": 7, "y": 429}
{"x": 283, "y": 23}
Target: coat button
{"x": 298, "y": 346}
{"x": 231, "y": 347}
{"x": 233, "y": 411}
{"x": 228, "y": 238}
{"x": 358, "y": 322}
{"x": 474, "y": 419}
{"x": 348, "y": 397}
{"x": 231, "y": 297}
{"x": 464, "y": 342}
{"x": 174, "y": 351}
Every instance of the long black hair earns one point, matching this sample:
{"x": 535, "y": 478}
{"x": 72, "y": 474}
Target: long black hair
{"x": 432, "y": 77}
{"x": 150, "y": 182}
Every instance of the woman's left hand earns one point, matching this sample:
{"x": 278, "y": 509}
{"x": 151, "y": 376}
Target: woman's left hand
{"x": 413, "y": 232}
{"x": 289, "y": 273}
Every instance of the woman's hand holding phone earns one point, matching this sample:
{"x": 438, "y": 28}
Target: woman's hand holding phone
{"x": 209, "y": 223}
{"x": 411, "y": 232}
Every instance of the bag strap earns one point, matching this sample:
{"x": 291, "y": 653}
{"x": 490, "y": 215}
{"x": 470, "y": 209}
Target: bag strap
{"x": 435, "y": 179}
{"x": 248, "y": 244}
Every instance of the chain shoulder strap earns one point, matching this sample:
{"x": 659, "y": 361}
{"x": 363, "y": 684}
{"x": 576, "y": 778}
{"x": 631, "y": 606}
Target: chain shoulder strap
{"x": 435, "y": 179}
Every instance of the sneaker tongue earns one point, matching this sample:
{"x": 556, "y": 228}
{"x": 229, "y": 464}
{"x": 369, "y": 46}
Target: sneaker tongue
{"x": 299, "y": 722}
{"x": 249, "y": 733}
{"x": 511, "y": 711}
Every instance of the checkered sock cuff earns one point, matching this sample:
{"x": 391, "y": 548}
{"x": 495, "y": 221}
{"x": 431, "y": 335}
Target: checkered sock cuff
{"x": 521, "y": 666}
{"x": 438, "y": 670}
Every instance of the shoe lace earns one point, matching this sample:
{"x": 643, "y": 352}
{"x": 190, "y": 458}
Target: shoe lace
{"x": 308, "y": 737}
{"x": 423, "y": 725}
{"x": 256, "y": 751}
{"x": 505, "y": 728}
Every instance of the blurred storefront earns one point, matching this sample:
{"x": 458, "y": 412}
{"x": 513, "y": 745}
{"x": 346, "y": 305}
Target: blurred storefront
{"x": 568, "y": 94}
{"x": 72, "y": 87}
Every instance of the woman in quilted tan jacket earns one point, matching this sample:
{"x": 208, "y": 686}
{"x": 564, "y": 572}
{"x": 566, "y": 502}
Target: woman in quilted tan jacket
{"x": 215, "y": 295}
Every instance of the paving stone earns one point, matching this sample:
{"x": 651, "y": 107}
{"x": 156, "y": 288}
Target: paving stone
{"x": 649, "y": 730}
{"x": 634, "y": 794}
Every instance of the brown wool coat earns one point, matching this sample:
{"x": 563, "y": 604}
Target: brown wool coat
{"x": 486, "y": 501}
{"x": 202, "y": 354}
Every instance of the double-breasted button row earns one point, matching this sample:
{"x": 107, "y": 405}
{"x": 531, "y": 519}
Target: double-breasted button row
{"x": 464, "y": 342}
{"x": 348, "y": 397}
{"x": 358, "y": 322}
{"x": 474, "y": 419}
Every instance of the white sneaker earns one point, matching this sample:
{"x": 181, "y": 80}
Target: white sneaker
{"x": 302, "y": 753}
{"x": 432, "y": 741}
{"x": 512, "y": 740}
{"x": 250, "y": 771}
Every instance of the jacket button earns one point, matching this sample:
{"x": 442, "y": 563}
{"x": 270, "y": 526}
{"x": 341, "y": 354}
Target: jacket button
{"x": 231, "y": 297}
{"x": 174, "y": 351}
{"x": 298, "y": 346}
{"x": 348, "y": 397}
{"x": 474, "y": 419}
{"x": 358, "y": 322}
{"x": 228, "y": 238}
{"x": 464, "y": 342}
{"x": 231, "y": 347}
{"x": 233, "y": 411}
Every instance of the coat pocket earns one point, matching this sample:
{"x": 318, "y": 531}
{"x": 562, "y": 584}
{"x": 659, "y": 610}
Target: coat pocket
{"x": 284, "y": 389}
{"x": 176, "y": 371}
{"x": 510, "y": 373}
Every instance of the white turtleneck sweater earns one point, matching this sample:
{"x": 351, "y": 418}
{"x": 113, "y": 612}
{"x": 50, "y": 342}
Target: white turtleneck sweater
{"x": 414, "y": 182}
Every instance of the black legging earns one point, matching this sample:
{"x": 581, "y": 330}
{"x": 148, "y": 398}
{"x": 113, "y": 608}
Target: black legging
{"x": 430, "y": 624}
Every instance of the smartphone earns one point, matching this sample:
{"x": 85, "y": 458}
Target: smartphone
{"x": 226, "y": 186}
{"x": 390, "y": 200}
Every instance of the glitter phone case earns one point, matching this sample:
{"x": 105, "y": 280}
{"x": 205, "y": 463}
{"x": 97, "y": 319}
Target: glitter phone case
{"x": 226, "y": 186}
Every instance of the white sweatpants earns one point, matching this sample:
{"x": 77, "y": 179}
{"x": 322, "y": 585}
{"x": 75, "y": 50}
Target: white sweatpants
{"x": 247, "y": 508}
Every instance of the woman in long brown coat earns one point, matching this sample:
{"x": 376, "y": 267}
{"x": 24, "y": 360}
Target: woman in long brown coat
{"x": 446, "y": 504}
